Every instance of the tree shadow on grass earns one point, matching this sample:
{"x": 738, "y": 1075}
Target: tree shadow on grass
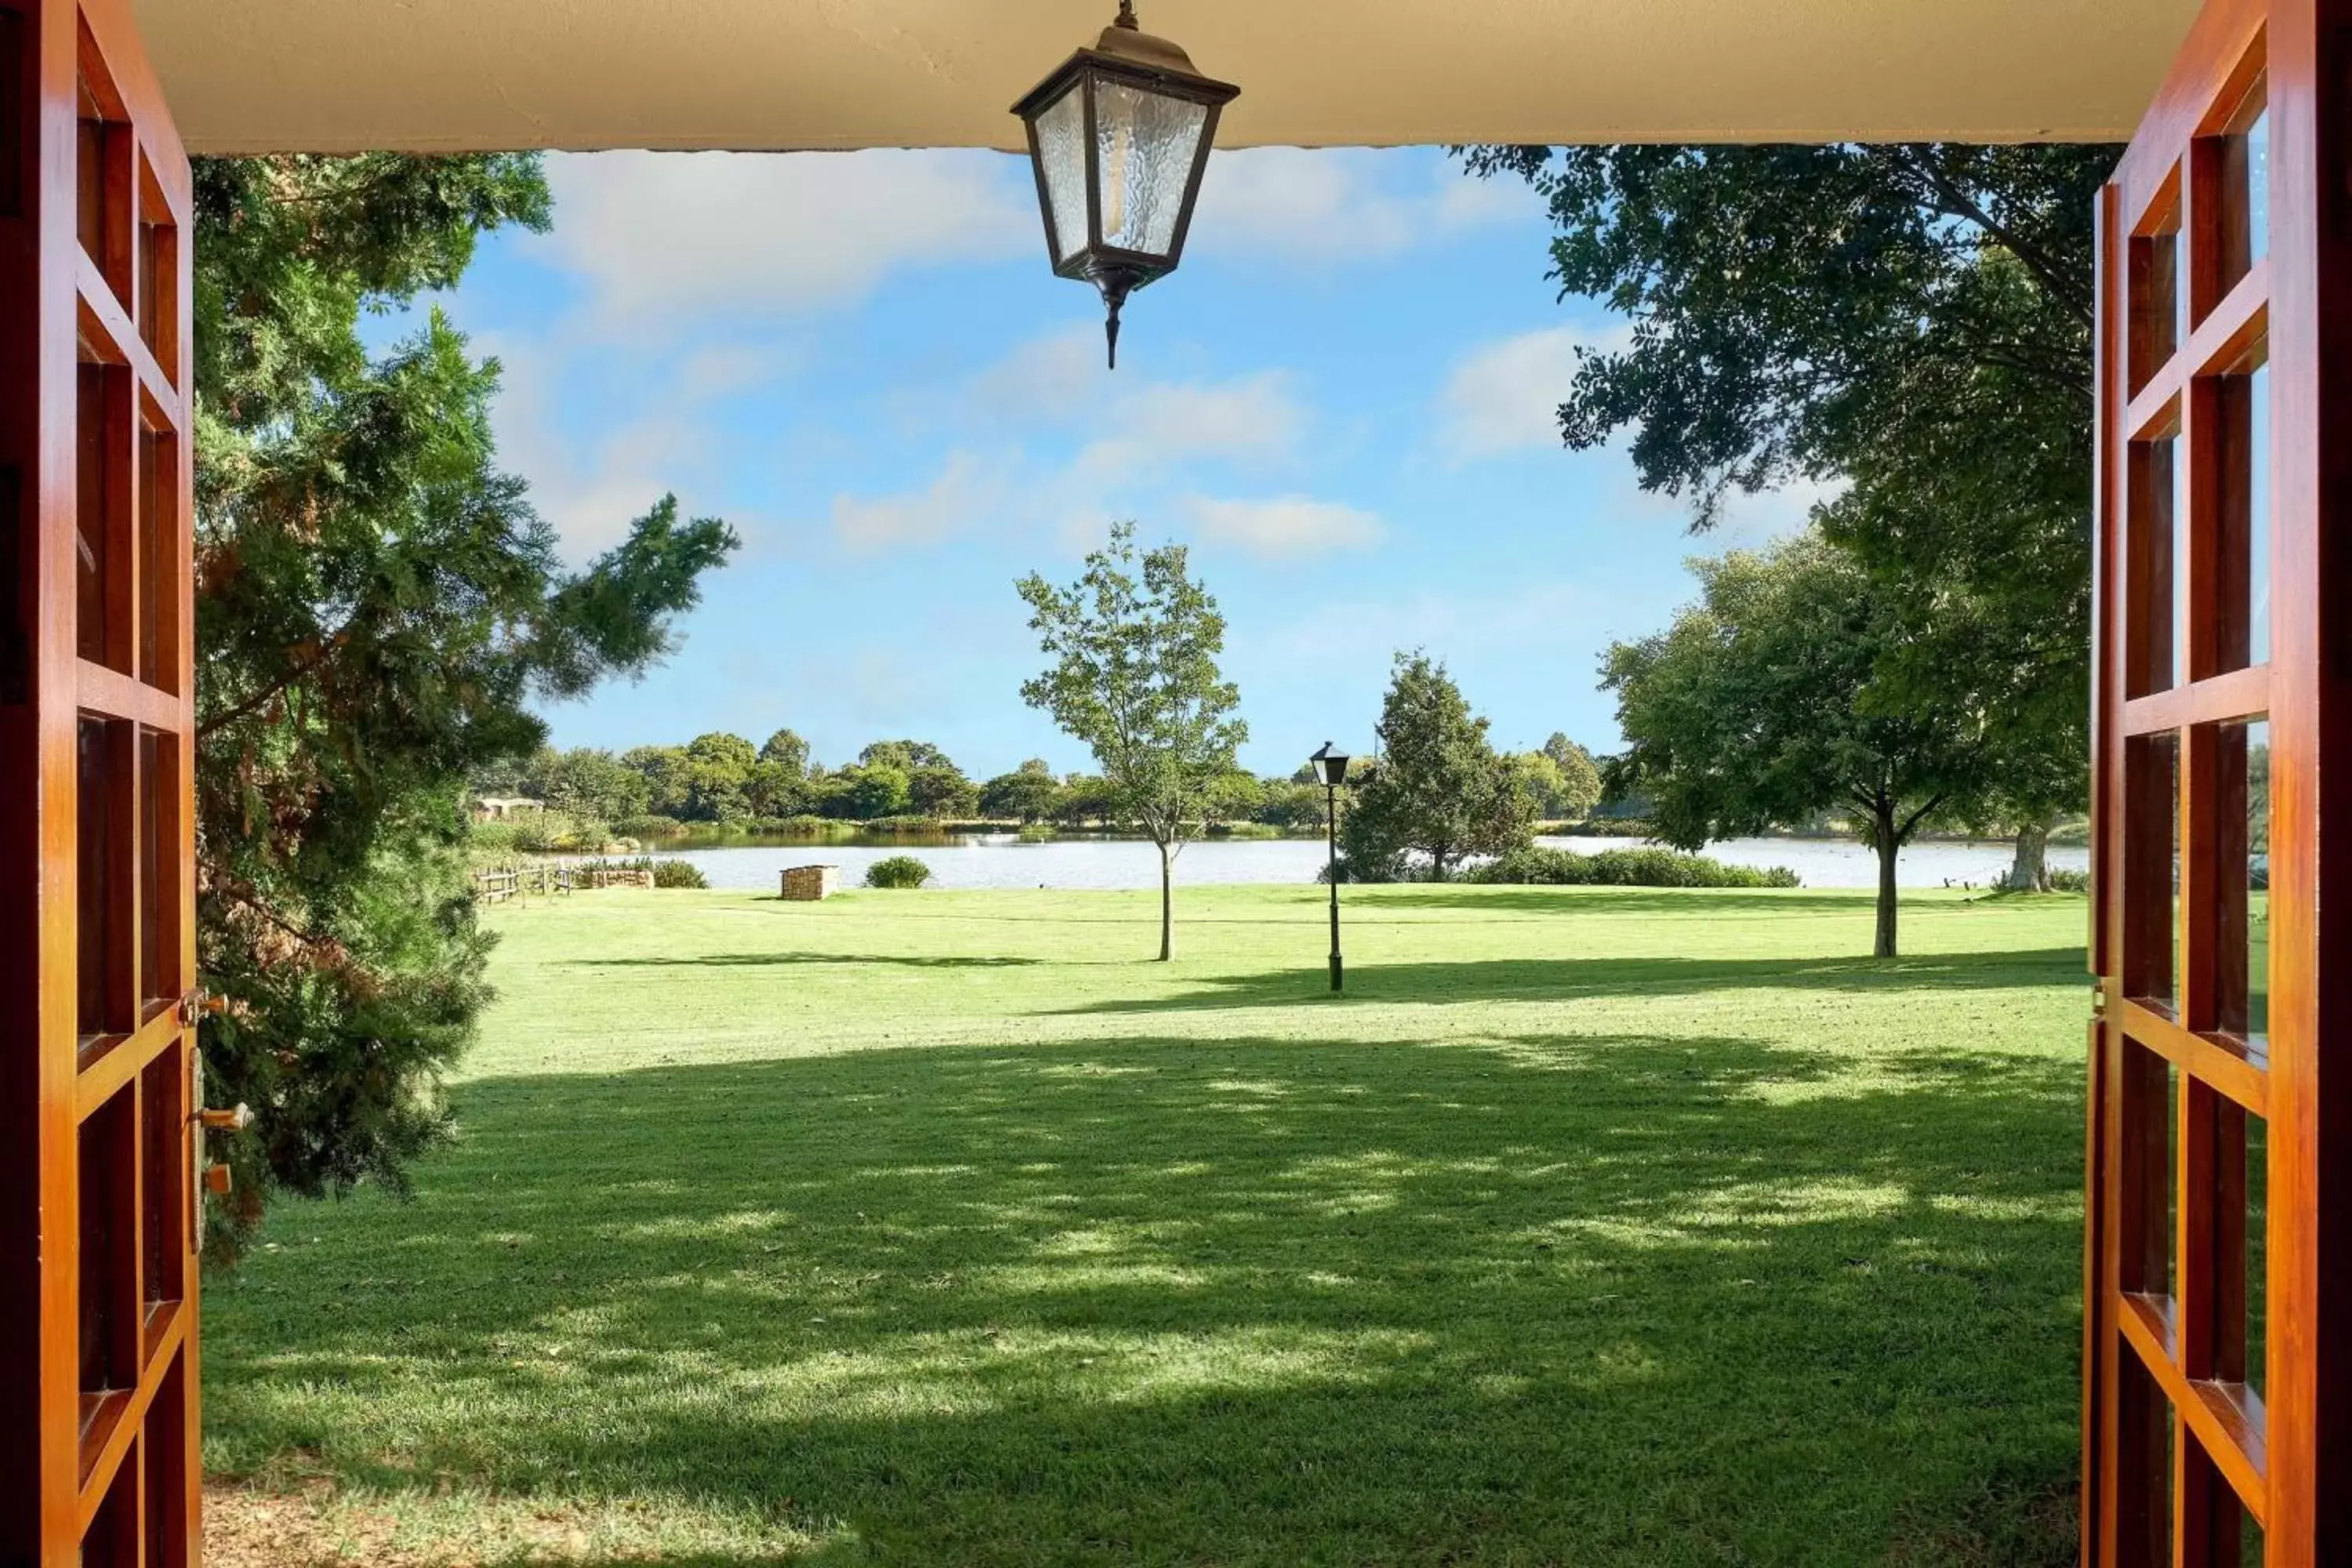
{"x": 1553, "y": 979}
{"x": 1650, "y": 1300}
{"x": 1477, "y": 897}
{"x": 761, "y": 960}
{"x": 1782, "y": 903}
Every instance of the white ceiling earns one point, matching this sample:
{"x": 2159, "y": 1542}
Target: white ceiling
{"x": 342, "y": 75}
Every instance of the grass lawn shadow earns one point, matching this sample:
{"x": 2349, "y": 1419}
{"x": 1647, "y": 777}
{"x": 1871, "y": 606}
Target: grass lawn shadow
{"x": 1660, "y": 1298}
{"x": 1445, "y": 982}
{"x": 835, "y": 960}
{"x": 1476, "y": 898}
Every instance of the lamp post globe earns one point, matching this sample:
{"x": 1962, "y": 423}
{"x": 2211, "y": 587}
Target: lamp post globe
{"x": 1119, "y": 135}
{"x": 1331, "y": 768}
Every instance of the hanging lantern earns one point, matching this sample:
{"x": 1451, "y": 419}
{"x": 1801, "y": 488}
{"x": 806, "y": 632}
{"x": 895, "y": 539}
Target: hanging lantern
{"x": 1120, "y": 136}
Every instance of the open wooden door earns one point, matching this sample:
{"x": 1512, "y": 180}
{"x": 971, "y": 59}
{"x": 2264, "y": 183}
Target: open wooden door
{"x": 99, "y": 1140}
{"x": 2218, "y": 1368}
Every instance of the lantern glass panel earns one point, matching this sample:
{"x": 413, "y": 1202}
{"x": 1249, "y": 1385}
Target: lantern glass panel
{"x": 1147, "y": 143}
{"x": 1062, "y": 153}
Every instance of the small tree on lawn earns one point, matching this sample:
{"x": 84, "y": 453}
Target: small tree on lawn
{"x": 1439, "y": 786}
{"x": 1136, "y": 678}
{"x": 1760, "y": 705}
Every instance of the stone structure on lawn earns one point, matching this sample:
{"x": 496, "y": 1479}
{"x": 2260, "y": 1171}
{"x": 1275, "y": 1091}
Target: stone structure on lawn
{"x": 807, "y": 884}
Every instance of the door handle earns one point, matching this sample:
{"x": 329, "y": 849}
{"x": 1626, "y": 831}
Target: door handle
{"x": 216, "y": 1178}
{"x": 196, "y": 1003}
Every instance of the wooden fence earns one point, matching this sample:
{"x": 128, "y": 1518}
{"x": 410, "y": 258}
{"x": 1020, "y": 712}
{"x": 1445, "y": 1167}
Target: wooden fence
{"x": 497, "y": 886}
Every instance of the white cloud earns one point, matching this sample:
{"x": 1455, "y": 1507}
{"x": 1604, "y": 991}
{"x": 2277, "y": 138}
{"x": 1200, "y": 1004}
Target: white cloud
{"x": 721, "y": 370}
{"x": 1504, "y": 396}
{"x": 1748, "y": 521}
{"x": 1060, "y": 380}
{"x": 1546, "y": 619}
{"x": 1045, "y": 380}
{"x": 661, "y": 237}
{"x": 591, "y": 491}
{"x": 1155, "y": 431}
{"x": 664, "y": 236}
{"x": 968, "y": 493}
{"x": 1285, "y": 526}
{"x": 1331, "y": 203}
{"x": 1158, "y": 424}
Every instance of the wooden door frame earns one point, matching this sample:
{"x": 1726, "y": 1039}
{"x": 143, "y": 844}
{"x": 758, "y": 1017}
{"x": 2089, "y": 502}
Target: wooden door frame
{"x": 128, "y": 309}
{"x": 2287, "y": 1453}
{"x": 2300, "y": 1460}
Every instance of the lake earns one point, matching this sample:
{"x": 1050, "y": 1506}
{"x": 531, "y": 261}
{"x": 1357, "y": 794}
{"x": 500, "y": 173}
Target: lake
{"x": 1004, "y": 860}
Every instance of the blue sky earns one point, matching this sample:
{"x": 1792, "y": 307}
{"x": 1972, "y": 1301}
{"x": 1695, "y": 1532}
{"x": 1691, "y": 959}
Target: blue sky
{"x": 1342, "y": 402}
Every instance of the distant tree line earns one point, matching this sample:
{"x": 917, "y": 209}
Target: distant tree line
{"x": 722, "y": 781}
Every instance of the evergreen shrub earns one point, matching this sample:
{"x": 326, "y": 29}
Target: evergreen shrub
{"x": 1644, "y": 868}
{"x": 898, "y": 871}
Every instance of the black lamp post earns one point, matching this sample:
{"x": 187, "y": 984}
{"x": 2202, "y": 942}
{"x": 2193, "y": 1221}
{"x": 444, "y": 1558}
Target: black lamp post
{"x": 1119, "y": 135}
{"x": 1332, "y": 767}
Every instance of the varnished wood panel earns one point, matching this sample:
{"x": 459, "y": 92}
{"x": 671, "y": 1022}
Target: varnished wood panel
{"x": 97, "y": 1281}
{"x": 2178, "y": 1352}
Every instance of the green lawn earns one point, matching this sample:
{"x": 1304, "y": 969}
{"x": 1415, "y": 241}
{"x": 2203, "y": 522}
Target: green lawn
{"x": 1592, "y": 1227}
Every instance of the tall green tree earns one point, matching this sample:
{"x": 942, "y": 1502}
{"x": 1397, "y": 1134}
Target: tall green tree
{"x": 1760, "y": 707}
{"x": 592, "y": 784}
{"x": 1912, "y": 322}
{"x": 1439, "y": 788}
{"x": 1238, "y": 796}
{"x": 867, "y": 791}
{"x": 786, "y": 749}
{"x": 775, "y": 790}
{"x": 668, "y": 773}
{"x": 1089, "y": 800}
{"x": 942, "y": 792}
{"x": 719, "y": 777}
{"x": 1579, "y": 777}
{"x": 905, "y": 755}
{"x": 1297, "y": 806}
{"x": 1135, "y": 642}
{"x": 377, "y": 610}
{"x": 1024, "y": 795}
{"x": 1561, "y": 779}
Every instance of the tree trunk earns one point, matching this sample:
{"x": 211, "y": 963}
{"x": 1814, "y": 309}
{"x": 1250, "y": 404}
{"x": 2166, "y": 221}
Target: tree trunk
{"x": 1167, "y": 905}
{"x": 1888, "y": 848}
{"x": 2030, "y": 872}
{"x": 1437, "y": 864}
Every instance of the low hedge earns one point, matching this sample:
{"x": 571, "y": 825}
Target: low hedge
{"x": 898, "y": 871}
{"x": 666, "y": 873}
{"x": 1647, "y": 867}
